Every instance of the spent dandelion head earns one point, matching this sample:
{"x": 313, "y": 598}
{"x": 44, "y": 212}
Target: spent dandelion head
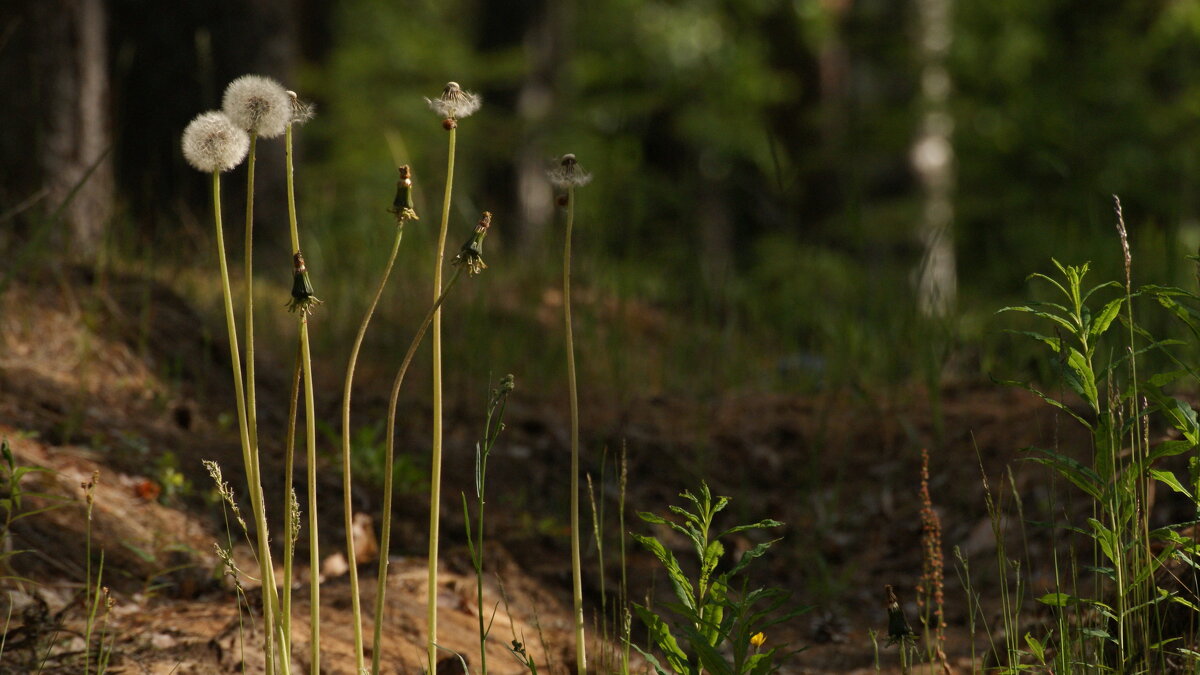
{"x": 471, "y": 254}
{"x": 454, "y": 104}
{"x": 402, "y": 203}
{"x": 899, "y": 631}
{"x": 302, "y": 111}
{"x": 303, "y": 299}
{"x": 568, "y": 173}
{"x": 213, "y": 143}
{"x": 258, "y": 104}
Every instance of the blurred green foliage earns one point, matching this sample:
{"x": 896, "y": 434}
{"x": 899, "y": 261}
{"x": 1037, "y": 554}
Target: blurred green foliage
{"x": 752, "y": 173}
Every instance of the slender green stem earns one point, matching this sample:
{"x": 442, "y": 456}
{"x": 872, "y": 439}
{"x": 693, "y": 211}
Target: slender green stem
{"x": 251, "y": 401}
{"x": 385, "y": 536}
{"x": 435, "y": 478}
{"x": 576, "y": 571}
{"x": 310, "y": 417}
{"x": 314, "y": 552}
{"x": 289, "y": 542}
{"x": 264, "y": 557}
{"x": 347, "y": 476}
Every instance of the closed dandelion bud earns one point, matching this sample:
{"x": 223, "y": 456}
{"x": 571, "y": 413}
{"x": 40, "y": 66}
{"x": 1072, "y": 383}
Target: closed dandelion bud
{"x": 258, "y": 104}
{"x": 471, "y": 254}
{"x": 303, "y": 299}
{"x": 454, "y": 104}
{"x": 568, "y": 173}
{"x": 402, "y": 203}
{"x": 212, "y": 143}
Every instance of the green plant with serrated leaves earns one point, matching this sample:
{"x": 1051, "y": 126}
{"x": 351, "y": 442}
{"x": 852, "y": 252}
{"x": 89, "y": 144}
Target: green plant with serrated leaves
{"x": 717, "y": 615}
{"x": 11, "y": 497}
{"x": 1115, "y": 622}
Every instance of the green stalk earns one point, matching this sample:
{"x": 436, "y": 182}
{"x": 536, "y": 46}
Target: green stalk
{"x": 386, "y": 527}
{"x": 576, "y": 571}
{"x": 289, "y": 544}
{"x": 260, "y": 521}
{"x": 435, "y": 479}
{"x": 348, "y": 507}
{"x": 310, "y": 416}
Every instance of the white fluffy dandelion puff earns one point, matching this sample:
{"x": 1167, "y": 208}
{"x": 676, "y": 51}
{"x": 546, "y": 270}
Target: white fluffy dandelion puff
{"x": 454, "y": 103}
{"x": 258, "y": 104}
{"x": 568, "y": 173}
{"x": 302, "y": 111}
{"x": 213, "y": 143}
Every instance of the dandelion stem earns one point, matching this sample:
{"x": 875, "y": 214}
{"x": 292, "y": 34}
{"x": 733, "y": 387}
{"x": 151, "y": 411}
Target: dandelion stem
{"x": 388, "y": 471}
{"x": 264, "y": 555}
{"x": 310, "y": 418}
{"x": 346, "y": 471}
{"x": 576, "y": 572}
{"x": 289, "y": 543}
{"x": 435, "y": 478}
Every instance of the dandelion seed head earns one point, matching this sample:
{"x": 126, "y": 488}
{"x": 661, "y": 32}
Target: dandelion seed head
{"x": 568, "y": 173}
{"x": 454, "y": 103}
{"x": 258, "y": 104}
{"x": 302, "y": 111}
{"x": 213, "y": 143}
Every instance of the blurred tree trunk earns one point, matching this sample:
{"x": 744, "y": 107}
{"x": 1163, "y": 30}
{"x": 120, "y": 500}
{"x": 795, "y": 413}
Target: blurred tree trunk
{"x": 57, "y": 71}
{"x": 933, "y": 160}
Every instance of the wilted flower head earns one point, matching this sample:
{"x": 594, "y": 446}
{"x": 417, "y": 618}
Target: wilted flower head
{"x": 213, "y": 143}
{"x": 471, "y": 254}
{"x": 568, "y": 173}
{"x": 303, "y": 299}
{"x": 454, "y": 103}
{"x": 302, "y": 111}
{"x": 258, "y": 104}
{"x": 899, "y": 630}
{"x": 402, "y": 203}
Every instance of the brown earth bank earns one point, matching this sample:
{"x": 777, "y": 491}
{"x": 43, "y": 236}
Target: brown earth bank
{"x": 120, "y": 378}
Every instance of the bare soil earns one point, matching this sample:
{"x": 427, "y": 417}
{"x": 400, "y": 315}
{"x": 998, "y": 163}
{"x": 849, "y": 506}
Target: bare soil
{"x": 120, "y": 377}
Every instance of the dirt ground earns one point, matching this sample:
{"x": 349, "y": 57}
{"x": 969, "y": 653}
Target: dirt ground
{"x": 121, "y": 378}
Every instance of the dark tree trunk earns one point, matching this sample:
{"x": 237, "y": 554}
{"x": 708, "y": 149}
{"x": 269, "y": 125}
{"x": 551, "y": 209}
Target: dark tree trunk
{"x": 60, "y": 154}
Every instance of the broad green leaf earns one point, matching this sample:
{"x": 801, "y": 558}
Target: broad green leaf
{"x": 1083, "y": 381}
{"x": 1105, "y": 538}
{"x": 1167, "y": 478}
{"x": 1035, "y": 647}
{"x": 679, "y": 581}
{"x": 762, "y": 524}
{"x": 1083, "y": 477}
{"x": 660, "y": 634}
{"x": 749, "y": 557}
{"x": 1059, "y": 600}
{"x": 1104, "y": 319}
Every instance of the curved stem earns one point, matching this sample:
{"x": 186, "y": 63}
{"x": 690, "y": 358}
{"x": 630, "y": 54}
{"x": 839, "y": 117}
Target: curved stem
{"x": 264, "y": 560}
{"x": 435, "y": 478}
{"x": 389, "y": 462}
{"x": 310, "y": 417}
{"x": 347, "y": 476}
{"x": 576, "y": 572}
